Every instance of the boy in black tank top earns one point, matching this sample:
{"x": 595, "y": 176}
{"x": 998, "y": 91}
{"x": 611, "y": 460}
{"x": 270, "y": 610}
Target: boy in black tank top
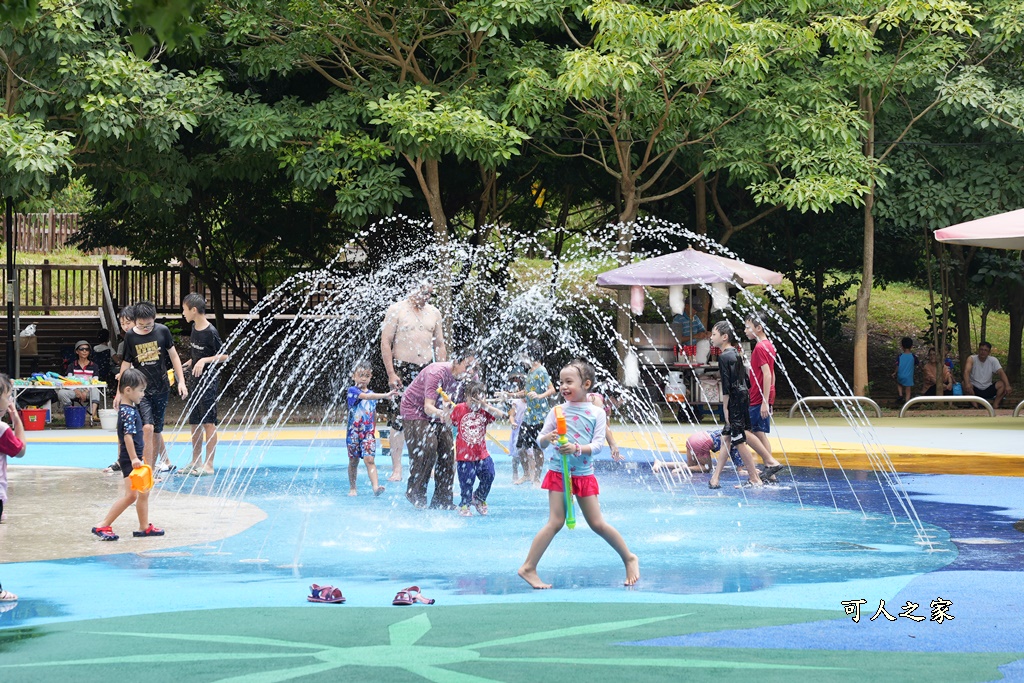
{"x": 206, "y": 350}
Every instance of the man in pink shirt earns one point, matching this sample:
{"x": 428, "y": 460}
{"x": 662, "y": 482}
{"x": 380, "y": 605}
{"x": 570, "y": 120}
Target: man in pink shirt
{"x": 428, "y": 429}
{"x": 762, "y": 391}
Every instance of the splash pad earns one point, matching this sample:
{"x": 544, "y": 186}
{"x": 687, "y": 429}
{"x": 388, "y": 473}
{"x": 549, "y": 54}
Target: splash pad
{"x": 823, "y": 535}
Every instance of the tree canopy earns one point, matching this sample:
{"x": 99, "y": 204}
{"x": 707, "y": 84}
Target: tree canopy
{"x": 233, "y": 133}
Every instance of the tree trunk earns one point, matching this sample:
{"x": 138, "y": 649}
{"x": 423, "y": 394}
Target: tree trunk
{"x": 819, "y": 301}
{"x": 958, "y": 295}
{"x": 1013, "y": 369}
{"x": 432, "y": 191}
{"x": 624, "y": 252}
{"x": 429, "y": 178}
{"x": 217, "y": 297}
{"x": 860, "y": 333}
{"x": 983, "y": 327}
{"x": 700, "y": 201}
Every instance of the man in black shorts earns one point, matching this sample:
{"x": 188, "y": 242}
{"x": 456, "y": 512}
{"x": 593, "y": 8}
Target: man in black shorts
{"x": 735, "y": 403}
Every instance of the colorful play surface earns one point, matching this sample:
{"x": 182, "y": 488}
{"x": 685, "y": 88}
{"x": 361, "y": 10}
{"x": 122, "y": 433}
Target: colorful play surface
{"x": 735, "y": 583}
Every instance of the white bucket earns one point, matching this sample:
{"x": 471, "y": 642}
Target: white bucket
{"x": 108, "y": 419}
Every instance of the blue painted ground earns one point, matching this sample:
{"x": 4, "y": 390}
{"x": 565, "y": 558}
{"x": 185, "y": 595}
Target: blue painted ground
{"x": 804, "y": 544}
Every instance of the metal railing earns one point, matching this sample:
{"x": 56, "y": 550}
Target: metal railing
{"x": 1018, "y": 409}
{"x": 836, "y": 401}
{"x": 948, "y": 399}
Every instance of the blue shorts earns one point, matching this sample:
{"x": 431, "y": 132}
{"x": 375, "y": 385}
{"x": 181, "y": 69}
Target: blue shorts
{"x": 758, "y": 423}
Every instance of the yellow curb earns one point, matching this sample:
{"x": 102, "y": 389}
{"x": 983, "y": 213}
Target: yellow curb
{"x": 795, "y": 452}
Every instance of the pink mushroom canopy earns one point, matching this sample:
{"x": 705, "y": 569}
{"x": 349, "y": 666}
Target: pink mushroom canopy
{"x": 687, "y": 267}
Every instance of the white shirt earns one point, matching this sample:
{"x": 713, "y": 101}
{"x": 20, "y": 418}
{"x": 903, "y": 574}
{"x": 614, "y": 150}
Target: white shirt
{"x": 983, "y": 371}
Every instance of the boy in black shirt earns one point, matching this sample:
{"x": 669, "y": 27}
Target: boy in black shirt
{"x": 149, "y": 347}
{"x": 735, "y": 403}
{"x": 206, "y": 349}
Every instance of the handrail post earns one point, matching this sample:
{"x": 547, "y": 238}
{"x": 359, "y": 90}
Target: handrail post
{"x": 52, "y": 216}
{"x": 1018, "y": 409}
{"x": 185, "y": 284}
{"x": 835, "y": 400}
{"x": 47, "y": 279}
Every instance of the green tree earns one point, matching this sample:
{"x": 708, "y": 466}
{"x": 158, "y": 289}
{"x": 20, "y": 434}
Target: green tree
{"x": 418, "y": 72}
{"x": 659, "y": 97}
{"x": 903, "y": 60}
{"x": 73, "y": 90}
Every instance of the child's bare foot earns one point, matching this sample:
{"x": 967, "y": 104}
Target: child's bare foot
{"x": 353, "y": 492}
{"x": 530, "y": 577}
{"x": 520, "y": 480}
{"x": 656, "y": 467}
{"x": 395, "y": 476}
{"x": 632, "y": 570}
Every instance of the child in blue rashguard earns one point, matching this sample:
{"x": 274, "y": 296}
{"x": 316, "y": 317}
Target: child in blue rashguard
{"x": 906, "y": 364}
{"x": 362, "y": 422}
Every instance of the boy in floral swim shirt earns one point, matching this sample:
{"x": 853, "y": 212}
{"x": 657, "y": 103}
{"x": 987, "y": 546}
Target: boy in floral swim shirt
{"x": 362, "y": 422}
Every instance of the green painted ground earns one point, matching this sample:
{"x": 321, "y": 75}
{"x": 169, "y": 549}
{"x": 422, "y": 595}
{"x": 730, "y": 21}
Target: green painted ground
{"x": 510, "y": 643}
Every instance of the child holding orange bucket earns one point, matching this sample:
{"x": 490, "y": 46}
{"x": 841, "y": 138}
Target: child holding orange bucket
{"x": 12, "y": 444}
{"x": 130, "y": 444}
{"x": 585, "y": 438}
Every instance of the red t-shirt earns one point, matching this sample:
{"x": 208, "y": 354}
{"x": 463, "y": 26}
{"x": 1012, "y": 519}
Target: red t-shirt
{"x": 470, "y": 442}
{"x": 9, "y": 443}
{"x": 764, "y": 353}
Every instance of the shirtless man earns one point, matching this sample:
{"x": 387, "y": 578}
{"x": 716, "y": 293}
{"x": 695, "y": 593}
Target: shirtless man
{"x": 411, "y": 338}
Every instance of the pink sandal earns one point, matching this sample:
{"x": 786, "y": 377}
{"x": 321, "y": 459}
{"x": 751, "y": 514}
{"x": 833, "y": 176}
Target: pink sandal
{"x": 410, "y": 596}
{"x": 325, "y": 594}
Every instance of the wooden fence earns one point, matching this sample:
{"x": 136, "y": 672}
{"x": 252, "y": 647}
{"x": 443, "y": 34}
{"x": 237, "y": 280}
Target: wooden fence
{"x": 165, "y": 288}
{"x": 46, "y": 232}
{"x": 46, "y": 288}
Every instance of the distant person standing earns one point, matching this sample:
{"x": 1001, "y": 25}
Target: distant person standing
{"x": 206, "y": 350}
{"x": 762, "y": 390}
{"x": 735, "y": 404}
{"x": 537, "y": 389}
{"x": 906, "y": 364}
{"x": 980, "y": 375}
{"x": 149, "y": 347}
{"x": 411, "y": 338}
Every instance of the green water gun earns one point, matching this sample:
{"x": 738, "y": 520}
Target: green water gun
{"x": 561, "y": 428}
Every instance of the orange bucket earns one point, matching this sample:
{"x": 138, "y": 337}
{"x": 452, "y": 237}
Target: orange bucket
{"x": 34, "y": 419}
{"x": 141, "y": 478}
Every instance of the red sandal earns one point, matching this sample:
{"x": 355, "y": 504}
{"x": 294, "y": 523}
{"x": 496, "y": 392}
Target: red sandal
{"x": 328, "y": 594}
{"x": 410, "y": 596}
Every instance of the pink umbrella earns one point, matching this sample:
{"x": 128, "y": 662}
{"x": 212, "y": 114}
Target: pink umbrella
{"x": 689, "y": 267}
{"x": 1002, "y": 231}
